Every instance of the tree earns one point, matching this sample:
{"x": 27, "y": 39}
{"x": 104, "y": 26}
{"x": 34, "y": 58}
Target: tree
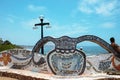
{"x": 5, "y": 45}
{"x": 1, "y": 41}
{"x": 7, "y": 42}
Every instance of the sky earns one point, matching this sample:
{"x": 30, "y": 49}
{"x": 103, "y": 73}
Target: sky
{"x": 71, "y": 18}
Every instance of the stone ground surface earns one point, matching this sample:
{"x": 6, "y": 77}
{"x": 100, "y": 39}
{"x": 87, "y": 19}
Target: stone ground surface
{"x": 7, "y": 78}
{"x": 5, "y": 74}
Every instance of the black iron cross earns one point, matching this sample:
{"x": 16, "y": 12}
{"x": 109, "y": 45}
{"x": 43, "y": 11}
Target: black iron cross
{"x": 42, "y": 24}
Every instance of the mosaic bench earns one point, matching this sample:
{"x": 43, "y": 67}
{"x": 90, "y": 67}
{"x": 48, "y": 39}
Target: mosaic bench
{"x": 64, "y": 60}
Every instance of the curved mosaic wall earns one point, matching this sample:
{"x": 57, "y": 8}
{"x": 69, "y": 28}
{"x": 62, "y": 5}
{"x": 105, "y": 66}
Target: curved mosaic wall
{"x": 64, "y": 60}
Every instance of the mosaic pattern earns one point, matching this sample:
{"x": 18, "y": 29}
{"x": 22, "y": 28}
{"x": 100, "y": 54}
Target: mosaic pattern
{"x": 64, "y": 60}
{"x": 65, "y": 46}
{"x": 67, "y": 64}
{"x": 66, "y": 43}
{"x": 103, "y": 65}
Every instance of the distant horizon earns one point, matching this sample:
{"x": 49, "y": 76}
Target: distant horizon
{"x": 89, "y": 50}
{"x": 54, "y": 45}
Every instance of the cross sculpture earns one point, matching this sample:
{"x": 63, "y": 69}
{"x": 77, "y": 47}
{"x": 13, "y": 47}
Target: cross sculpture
{"x": 42, "y": 24}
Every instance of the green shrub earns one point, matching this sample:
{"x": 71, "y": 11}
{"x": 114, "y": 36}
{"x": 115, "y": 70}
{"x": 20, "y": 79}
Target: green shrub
{"x": 8, "y": 46}
{"x": 5, "y": 45}
{"x": 7, "y": 42}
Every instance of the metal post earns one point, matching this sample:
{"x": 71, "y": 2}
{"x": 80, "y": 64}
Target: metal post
{"x": 42, "y": 24}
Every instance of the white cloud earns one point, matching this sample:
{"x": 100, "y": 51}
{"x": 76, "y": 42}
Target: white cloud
{"x": 101, "y": 7}
{"x": 13, "y": 19}
{"x": 29, "y": 23}
{"x": 105, "y": 9}
{"x": 13, "y": 16}
{"x": 86, "y": 6}
{"x": 68, "y": 30}
{"x": 36, "y": 8}
{"x": 10, "y": 20}
{"x": 85, "y": 9}
{"x": 108, "y": 25}
{"x": 92, "y": 1}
